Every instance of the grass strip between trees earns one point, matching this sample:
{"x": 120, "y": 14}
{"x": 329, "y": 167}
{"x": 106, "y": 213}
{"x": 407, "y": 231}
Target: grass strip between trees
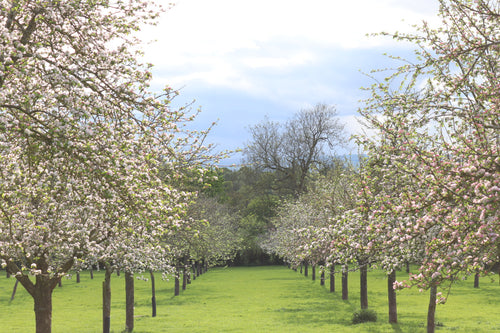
{"x": 252, "y": 299}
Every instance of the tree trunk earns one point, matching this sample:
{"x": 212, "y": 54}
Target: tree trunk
{"x": 306, "y": 269}
{"x": 431, "y": 322}
{"x": 43, "y": 303}
{"x": 41, "y": 291}
{"x": 363, "y": 286}
{"x": 14, "y": 290}
{"x": 345, "y": 276}
{"x": 300, "y": 268}
{"x": 408, "y": 267}
{"x": 193, "y": 265}
{"x": 322, "y": 278}
{"x": 78, "y": 277}
{"x": 106, "y": 301}
{"x": 129, "y": 302}
{"x": 313, "y": 268}
{"x": 176, "y": 282}
{"x": 185, "y": 273}
{"x": 91, "y": 274}
{"x": 153, "y": 293}
{"x": 332, "y": 278}
{"x": 476, "y": 280}
{"x": 391, "y": 293}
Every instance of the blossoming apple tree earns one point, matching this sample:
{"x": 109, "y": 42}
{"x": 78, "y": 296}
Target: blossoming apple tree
{"x": 445, "y": 118}
{"x": 82, "y": 139}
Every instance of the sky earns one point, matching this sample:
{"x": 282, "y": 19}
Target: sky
{"x": 241, "y": 61}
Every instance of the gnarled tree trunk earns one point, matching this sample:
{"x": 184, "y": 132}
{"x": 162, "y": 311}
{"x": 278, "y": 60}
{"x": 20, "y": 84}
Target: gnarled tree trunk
{"x": 41, "y": 291}
{"x": 43, "y": 303}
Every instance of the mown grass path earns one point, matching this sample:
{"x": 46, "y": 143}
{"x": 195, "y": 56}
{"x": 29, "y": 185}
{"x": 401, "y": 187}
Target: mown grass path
{"x": 258, "y": 299}
{"x": 252, "y": 299}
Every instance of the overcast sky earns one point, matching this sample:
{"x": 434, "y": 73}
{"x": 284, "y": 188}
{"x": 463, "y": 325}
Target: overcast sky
{"x": 243, "y": 60}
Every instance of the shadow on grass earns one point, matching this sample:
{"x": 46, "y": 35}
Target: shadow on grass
{"x": 311, "y": 305}
{"x": 396, "y": 328}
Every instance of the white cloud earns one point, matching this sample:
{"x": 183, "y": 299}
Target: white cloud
{"x": 219, "y": 27}
{"x": 300, "y": 58}
{"x": 208, "y": 40}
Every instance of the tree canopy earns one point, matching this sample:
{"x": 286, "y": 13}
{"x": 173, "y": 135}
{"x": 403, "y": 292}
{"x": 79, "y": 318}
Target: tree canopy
{"x": 292, "y": 149}
{"x": 83, "y": 140}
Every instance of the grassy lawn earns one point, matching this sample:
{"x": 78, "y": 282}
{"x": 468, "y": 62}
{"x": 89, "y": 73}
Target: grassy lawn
{"x": 252, "y": 299}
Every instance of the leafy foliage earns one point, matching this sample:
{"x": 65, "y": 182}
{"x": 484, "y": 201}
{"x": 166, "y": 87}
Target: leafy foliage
{"x": 363, "y": 316}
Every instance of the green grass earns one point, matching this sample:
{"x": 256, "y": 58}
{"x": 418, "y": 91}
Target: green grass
{"x": 252, "y": 299}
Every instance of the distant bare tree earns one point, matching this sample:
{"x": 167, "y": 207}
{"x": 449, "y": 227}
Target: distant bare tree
{"x": 292, "y": 148}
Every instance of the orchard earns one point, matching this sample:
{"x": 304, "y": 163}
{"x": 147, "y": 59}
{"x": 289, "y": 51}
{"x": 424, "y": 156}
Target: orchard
{"x": 428, "y": 191}
{"x": 99, "y": 171}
